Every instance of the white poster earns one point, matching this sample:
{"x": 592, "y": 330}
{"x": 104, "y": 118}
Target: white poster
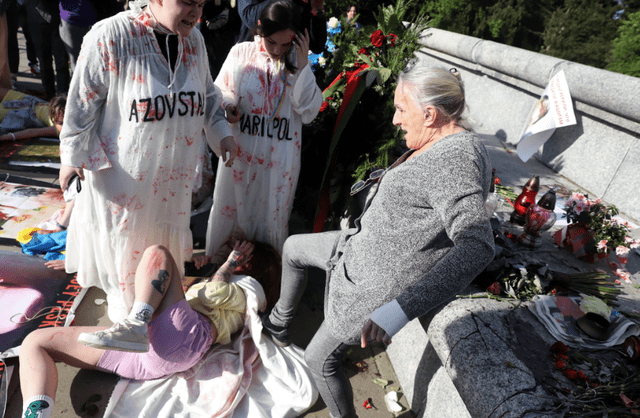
{"x": 553, "y": 110}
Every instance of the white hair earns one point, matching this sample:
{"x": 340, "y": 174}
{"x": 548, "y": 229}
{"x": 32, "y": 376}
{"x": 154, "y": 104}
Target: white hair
{"x": 137, "y": 5}
{"x": 432, "y": 86}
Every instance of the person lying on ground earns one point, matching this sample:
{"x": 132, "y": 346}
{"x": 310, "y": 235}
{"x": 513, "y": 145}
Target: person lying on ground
{"x": 25, "y": 117}
{"x": 166, "y": 332}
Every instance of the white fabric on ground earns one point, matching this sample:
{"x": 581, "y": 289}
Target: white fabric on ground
{"x": 251, "y": 377}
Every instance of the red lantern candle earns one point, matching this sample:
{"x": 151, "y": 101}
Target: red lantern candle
{"x": 524, "y": 200}
{"x": 540, "y": 217}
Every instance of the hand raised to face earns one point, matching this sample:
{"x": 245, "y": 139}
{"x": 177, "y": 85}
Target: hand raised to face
{"x": 302, "y": 49}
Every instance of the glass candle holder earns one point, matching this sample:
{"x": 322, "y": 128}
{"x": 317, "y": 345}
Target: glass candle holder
{"x": 538, "y": 220}
{"x": 526, "y": 198}
{"x": 540, "y": 217}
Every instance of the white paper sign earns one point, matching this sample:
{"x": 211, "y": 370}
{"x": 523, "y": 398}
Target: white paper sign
{"x": 553, "y": 110}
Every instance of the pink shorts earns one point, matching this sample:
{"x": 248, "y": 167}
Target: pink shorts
{"x": 178, "y": 337}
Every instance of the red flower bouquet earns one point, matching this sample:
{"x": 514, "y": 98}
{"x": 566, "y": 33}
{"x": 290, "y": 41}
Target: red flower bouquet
{"x": 377, "y": 38}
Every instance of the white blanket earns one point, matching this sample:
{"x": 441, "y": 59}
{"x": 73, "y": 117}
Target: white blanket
{"x": 250, "y": 377}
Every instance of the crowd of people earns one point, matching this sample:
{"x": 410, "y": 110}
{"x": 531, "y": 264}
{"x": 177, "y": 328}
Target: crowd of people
{"x": 141, "y": 101}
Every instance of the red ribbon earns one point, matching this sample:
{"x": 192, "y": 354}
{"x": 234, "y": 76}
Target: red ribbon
{"x": 352, "y": 91}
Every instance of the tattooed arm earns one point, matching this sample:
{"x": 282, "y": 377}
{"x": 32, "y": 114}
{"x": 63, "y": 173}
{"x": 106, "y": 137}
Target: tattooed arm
{"x": 241, "y": 254}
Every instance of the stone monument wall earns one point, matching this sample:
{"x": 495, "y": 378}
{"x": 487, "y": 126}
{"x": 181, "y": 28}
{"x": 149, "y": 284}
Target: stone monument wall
{"x": 601, "y": 153}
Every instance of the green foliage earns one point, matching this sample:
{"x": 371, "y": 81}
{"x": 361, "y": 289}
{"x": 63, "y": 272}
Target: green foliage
{"x": 626, "y": 47}
{"x": 513, "y": 22}
{"x": 576, "y": 30}
{"x": 495, "y": 26}
{"x": 582, "y": 31}
{"x": 378, "y": 52}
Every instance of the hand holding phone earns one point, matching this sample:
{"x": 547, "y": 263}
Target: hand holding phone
{"x": 301, "y": 44}
{"x": 66, "y": 174}
{"x": 75, "y": 186}
{"x": 232, "y": 113}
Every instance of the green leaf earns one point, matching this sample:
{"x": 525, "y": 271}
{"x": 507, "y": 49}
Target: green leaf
{"x": 366, "y": 59}
{"x": 381, "y": 382}
{"x": 385, "y": 74}
{"x": 339, "y": 85}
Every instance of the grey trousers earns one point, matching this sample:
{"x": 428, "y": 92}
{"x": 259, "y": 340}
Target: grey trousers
{"x": 325, "y": 353}
{"x": 72, "y": 36}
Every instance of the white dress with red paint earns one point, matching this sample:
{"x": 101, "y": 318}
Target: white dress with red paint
{"x": 253, "y": 198}
{"x": 136, "y": 127}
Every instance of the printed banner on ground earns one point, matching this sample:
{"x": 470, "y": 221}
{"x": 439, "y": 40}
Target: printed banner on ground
{"x": 24, "y": 206}
{"x": 553, "y": 110}
{"x": 32, "y": 296}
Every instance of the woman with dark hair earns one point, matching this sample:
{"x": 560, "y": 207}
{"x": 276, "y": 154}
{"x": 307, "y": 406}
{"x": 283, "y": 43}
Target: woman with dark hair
{"x": 311, "y": 18}
{"x": 352, "y": 12}
{"x": 25, "y": 117}
{"x": 268, "y": 92}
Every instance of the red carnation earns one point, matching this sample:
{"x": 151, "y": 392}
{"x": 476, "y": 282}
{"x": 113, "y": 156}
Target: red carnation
{"x": 392, "y": 39}
{"x": 362, "y": 51}
{"x": 377, "y": 38}
{"x": 561, "y": 365}
{"x": 324, "y": 106}
{"x": 495, "y": 288}
{"x": 559, "y": 348}
{"x": 570, "y": 374}
{"x": 582, "y": 376}
{"x": 497, "y": 181}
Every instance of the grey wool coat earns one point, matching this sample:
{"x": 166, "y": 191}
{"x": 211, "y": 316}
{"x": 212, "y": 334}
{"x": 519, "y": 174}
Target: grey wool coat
{"x": 421, "y": 239}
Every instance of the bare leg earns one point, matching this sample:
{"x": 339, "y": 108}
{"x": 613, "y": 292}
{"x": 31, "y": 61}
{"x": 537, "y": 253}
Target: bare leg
{"x": 157, "y": 283}
{"x": 42, "y": 348}
{"x": 158, "y": 280}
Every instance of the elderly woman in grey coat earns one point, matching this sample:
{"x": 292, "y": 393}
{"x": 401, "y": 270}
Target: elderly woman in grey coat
{"x": 423, "y": 236}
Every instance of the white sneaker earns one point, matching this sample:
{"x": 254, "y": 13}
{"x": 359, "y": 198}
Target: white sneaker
{"x": 128, "y": 335}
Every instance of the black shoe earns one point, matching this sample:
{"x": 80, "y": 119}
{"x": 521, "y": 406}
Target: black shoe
{"x": 279, "y": 335}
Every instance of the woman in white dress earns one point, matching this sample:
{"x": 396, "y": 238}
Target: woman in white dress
{"x": 268, "y": 91}
{"x": 140, "y": 98}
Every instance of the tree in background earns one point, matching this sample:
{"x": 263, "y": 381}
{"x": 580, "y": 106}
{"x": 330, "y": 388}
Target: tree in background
{"x": 582, "y": 31}
{"x": 626, "y": 47}
{"x": 518, "y": 23}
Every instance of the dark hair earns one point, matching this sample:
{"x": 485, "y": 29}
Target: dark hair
{"x": 56, "y": 108}
{"x": 280, "y": 15}
{"x": 264, "y": 266}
